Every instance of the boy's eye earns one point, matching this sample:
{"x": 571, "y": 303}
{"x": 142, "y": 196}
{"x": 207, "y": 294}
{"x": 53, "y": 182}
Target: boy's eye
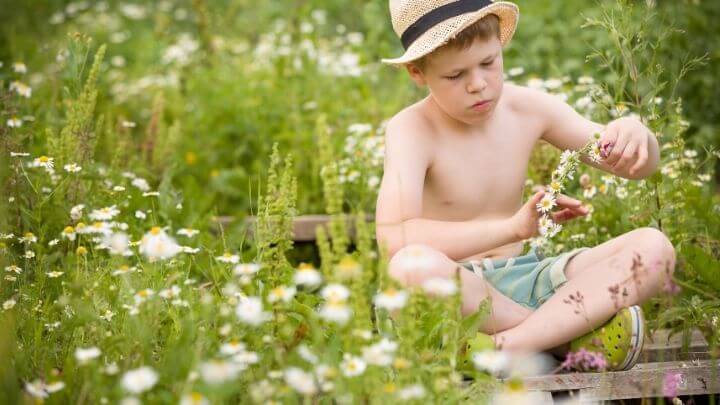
{"x": 488, "y": 63}
{"x": 453, "y": 77}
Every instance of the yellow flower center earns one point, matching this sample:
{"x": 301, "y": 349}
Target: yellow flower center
{"x": 69, "y": 229}
{"x": 44, "y": 159}
{"x": 81, "y": 250}
{"x": 155, "y": 230}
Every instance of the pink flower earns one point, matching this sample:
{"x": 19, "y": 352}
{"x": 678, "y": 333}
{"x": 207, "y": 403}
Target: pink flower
{"x": 670, "y": 384}
{"x": 583, "y": 360}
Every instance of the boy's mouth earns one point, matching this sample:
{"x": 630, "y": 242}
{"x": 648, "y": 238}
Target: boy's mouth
{"x": 480, "y": 104}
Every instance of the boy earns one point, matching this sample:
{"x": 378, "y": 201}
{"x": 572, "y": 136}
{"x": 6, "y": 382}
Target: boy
{"x": 451, "y": 193}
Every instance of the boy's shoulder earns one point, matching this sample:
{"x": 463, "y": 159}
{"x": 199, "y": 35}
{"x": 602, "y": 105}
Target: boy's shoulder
{"x": 412, "y": 122}
{"x": 526, "y": 100}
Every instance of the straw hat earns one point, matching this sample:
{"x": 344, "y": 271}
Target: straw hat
{"x": 425, "y": 25}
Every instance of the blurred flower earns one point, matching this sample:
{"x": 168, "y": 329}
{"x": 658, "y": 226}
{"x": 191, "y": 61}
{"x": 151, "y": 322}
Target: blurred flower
{"x": 335, "y": 311}
{"x": 301, "y": 381}
{"x": 493, "y": 361}
{"x": 414, "y": 391}
{"x": 139, "y": 380}
{"x": 219, "y": 371}
{"x": 194, "y": 398}
{"x": 584, "y": 360}
{"x": 14, "y": 122}
{"x": 189, "y": 232}
{"x": 250, "y": 311}
{"x": 143, "y": 295}
{"x": 391, "y": 299}
{"x": 380, "y": 353}
{"x": 13, "y": 268}
{"x": 44, "y": 162}
{"x": 29, "y": 237}
{"x": 516, "y": 71}
{"x": 169, "y": 293}
{"x": 242, "y": 269}
{"x": 307, "y": 275}
{"x": 104, "y": 214}
{"x": 141, "y": 184}
{"x": 228, "y": 258}
{"x": 117, "y": 243}
{"x": 348, "y": 268}
{"x": 281, "y": 293}
{"x": 85, "y": 355}
{"x": 76, "y": 211}
{"x": 9, "y": 304}
{"x": 335, "y": 292}
{"x": 19, "y": 67}
{"x": 232, "y": 347}
{"x": 440, "y": 286}
{"x": 306, "y": 354}
{"x": 21, "y": 89}
{"x": 352, "y": 366}
{"x": 671, "y": 382}
{"x": 156, "y": 244}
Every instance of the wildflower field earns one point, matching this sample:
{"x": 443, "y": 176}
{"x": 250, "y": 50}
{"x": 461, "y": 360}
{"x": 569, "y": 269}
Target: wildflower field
{"x": 128, "y": 128}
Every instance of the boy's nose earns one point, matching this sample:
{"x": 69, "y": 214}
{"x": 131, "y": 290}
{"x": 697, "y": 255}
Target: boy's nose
{"x": 477, "y": 82}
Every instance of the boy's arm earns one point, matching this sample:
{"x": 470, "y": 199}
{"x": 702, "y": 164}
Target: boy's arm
{"x": 399, "y": 205}
{"x": 635, "y": 156}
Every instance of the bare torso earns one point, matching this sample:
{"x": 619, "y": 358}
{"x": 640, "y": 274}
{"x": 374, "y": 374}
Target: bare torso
{"x": 479, "y": 175}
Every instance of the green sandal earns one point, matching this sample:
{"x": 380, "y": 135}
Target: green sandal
{"x": 620, "y": 339}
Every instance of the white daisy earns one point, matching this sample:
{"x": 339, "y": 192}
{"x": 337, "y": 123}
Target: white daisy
{"x": 352, "y": 366}
{"x": 169, "y": 293}
{"x": 493, "y": 361}
{"x": 219, "y": 371}
{"x": 307, "y": 275}
{"x": 117, "y": 243}
{"x": 85, "y": 355}
{"x": 141, "y": 184}
{"x": 14, "y": 122}
{"x": 228, "y": 258}
{"x": 546, "y": 203}
{"x": 232, "y": 347}
{"x": 414, "y": 391}
{"x": 45, "y": 162}
{"x": 139, "y": 380}
{"x": 381, "y": 353}
{"x": 194, "y": 398}
{"x": 440, "y": 286}
{"x": 335, "y": 292}
{"x": 104, "y": 214}
{"x": 156, "y": 244}
{"x": 72, "y": 168}
{"x": 391, "y": 299}
{"x": 281, "y": 293}
{"x": 19, "y": 67}
{"x": 301, "y": 381}
{"x": 189, "y": 232}
{"x": 76, "y": 211}
{"x": 335, "y": 311}
{"x": 250, "y": 311}
{"x": 13, "y": 268}
{"x": 245, "y": 269}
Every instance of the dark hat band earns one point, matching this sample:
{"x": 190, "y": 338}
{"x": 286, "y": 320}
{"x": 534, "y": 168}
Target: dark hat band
{"x": 439, "y": 15}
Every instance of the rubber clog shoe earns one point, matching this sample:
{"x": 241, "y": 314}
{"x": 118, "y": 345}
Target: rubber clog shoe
{"x": 620, "y": 339}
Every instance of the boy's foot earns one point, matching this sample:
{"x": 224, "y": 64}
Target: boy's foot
{"x": 620, "y": 340}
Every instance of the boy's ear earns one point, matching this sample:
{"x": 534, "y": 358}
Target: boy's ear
{"x": 416, "y": 74}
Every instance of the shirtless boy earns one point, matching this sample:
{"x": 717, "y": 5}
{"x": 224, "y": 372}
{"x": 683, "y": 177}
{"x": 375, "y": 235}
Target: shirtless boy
{"x": 454, "y": 172}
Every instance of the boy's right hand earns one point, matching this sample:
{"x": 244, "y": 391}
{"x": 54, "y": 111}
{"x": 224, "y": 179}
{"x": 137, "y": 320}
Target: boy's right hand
{"x": 525, "y": 220}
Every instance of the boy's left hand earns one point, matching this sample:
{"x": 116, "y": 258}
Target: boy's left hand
{"x": 623, "y": 143}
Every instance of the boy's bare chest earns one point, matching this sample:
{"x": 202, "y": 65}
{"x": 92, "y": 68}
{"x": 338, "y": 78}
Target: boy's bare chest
{"x": 481, "y": 177}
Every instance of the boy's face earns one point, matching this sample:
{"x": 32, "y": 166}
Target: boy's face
{"x": 460, "y": 78}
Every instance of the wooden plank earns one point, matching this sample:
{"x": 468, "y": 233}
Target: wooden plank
{"x": 643, "y": 381}
{"x": 304, "y": 226}
{"x": 646, "y": 381}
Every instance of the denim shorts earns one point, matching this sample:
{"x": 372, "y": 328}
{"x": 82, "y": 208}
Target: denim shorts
{"x": 529, "y": 279}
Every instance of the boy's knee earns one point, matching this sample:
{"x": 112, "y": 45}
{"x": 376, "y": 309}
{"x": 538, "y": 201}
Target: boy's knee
{"x": 658, "y": 243}
{"x": 413, "y": 264}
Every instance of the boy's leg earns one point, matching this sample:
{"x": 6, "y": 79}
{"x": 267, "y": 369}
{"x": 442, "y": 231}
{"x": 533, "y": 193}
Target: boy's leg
{"x": 414, "y": 264}
{"x": 637, "y": 266}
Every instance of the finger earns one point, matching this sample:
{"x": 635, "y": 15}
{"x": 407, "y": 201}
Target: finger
{"x": 618, "y": 149}
{"x": 565, "y": 201}
{"x": 642, "y": 157}
{"x": 627, "y": 156}
{"x": 563, "y": 216}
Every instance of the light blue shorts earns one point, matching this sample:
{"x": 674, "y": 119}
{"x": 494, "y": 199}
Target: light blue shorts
{"x": 529, "y": 279}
